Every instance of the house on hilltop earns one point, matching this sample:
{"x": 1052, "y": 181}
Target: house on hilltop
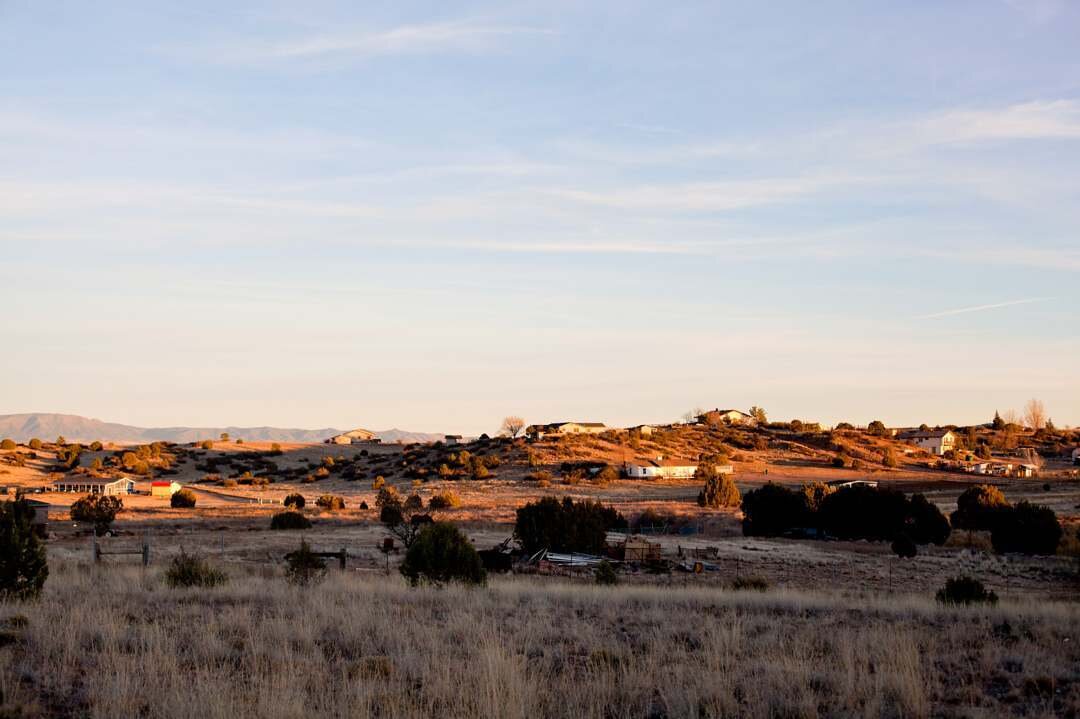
{"x": 539, "y": 431}
{"x": 356, "y": 436}
{"x": 935, "y": 441}
{"x": 726, "y": 416}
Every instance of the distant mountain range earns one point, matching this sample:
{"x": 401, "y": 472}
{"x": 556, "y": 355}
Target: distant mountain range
{"x": 23, "y": 427}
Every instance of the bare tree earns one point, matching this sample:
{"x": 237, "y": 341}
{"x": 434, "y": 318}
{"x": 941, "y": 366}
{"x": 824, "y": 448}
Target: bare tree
{"x": 1010, "y": 416}
{"x": 512, "y": 426}
{"x": 759, "y": 414}
{"x": 1035, "y": 414}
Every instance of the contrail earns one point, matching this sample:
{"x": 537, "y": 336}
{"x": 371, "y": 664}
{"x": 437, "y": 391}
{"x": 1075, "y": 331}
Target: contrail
{"x": 980, "y": 308}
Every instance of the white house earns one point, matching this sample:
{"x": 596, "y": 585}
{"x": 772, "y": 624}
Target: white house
{"x": 355, "y": 436}
{"x": 668, "y": 468}
{"x": 726, "y": 416}
{"x": 89, "y": 485}
{"x": 539, "y": 431}
{"x": 935, "y": 441}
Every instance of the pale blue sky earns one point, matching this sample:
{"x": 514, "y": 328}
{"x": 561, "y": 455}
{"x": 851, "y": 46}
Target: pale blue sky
{"x": 431, "y": 215}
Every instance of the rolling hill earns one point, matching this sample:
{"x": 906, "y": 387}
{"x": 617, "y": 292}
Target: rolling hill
{"x": 22, "y": 427}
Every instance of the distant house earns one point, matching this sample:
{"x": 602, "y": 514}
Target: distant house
{"x": 452, "y": 439}
{"x": 645, "y": 430}
{"x": 1026, "y": 471}
{"x": 164, "y": 489}
{"x": 726, "y": 416}
{"x": 356, "y": 436}
{"x": 935, "y": 441}
{"x": 841, "y": 483}
{"x": 89, "y": 485}
{"x": 539, "y": 431}
{"x": 662, "y": 467}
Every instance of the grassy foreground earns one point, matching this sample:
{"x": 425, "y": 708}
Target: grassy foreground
{"x": 114, "y": 642}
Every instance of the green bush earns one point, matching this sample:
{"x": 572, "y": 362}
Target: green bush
{"x": 605, "y": 574}
{"x": 719, "y": 491}
{"x": 289, "y": 520}
{"x": 441, "y": 553}
{"x": 751, "y": 583}
{"x": 182, "y": 499}
{"x": 304, "y": 567}
{"x": 565, "y": 526}
{"x": 444, "y": 500}
{"x": 296, "y": 501}
{"x": 99, "y": 509}
{"x": 23, "y": 565}
{"x": 772, "y": 510}
{"x": 978, "y": 507}
{"x": 1026, "y": 528}
{"x": 191, "y": 570}
{"x": 965, "y": 590}
{"x": 925, "y": 523}
{"x": 8, "y": 444}
{"x": 330, "y": 502}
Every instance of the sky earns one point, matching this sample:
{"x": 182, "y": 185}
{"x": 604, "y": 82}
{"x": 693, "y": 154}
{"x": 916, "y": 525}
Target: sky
{"x": 433, "y": 215}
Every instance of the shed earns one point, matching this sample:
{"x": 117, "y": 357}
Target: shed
{"x": 164, "y": 489}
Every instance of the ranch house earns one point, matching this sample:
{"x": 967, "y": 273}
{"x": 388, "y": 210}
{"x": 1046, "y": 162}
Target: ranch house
{"x": 934, "y": 441}
{"x": 89, "y": 485}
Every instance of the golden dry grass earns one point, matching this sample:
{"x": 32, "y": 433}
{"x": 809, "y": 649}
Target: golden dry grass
{"x": 115, "y": 642}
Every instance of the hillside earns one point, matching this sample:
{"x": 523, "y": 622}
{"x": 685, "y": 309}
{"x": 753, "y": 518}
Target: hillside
{"x": 23, "y": 427}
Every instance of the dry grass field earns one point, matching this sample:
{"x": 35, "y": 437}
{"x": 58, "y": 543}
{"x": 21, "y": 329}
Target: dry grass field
{"x": 113, "y": 641}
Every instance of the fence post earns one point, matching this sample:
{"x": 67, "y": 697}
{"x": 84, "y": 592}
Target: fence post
{"x": 146, "y": 553}
{"x": 97, "y": 552}
{"x": 341, "y": 559}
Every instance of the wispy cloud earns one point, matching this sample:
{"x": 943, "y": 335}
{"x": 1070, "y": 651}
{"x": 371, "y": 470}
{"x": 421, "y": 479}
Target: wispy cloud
{"x": 1057, "y": 119}
{"x": 456, "y": 36}
{"x": 982, "y": 308}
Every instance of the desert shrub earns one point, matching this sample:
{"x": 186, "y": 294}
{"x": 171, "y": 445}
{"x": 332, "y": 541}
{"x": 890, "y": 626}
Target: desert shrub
{"x": 330, "y": 502}
{"x": 565, "y": 526}
{"x": 99, "y": 509}
{"x": 606, "y": 475}
{"x": 191, "y": 570}
{"x": 719, "y": 491}
{"x": 23, "y": 565}
{"x": 977, "y": 507}
{"x": 207, "y": 444}
{"x": 275, "y": 448}
{"x": 772, "y": 510}
{"x": 813, "y": 494}
{"x": 412, "y": 503}
{"x": 229, "y": 483}
{"x": 605, "y": 574}
{"x": 752, "y": 583}
{"x": 478, "y": 468}
{"x": 322, "y": 472}
{"x": 1026, "y": 528}
{"x": 541, "y": 475}
{"x": 441, "y": 553}
{"x": 925, "y": 523}
{"x": 295, "y": 500}
{"x": 96, "y": 446}
{"x": 377, "y": 483}
{"x": 888, "y": 459}
{"x": 877, "y": 428}
{"x": 8, "y": 443}
{"x": 839, "y": 461}
{"x": 289, "y": 520}
{"x": 965, "y": 590}
{"x": 184, "y": 498}
{"x": 304, "y": 567}
{"x": 904, "y": 547}
{"x": 35, "y": 443}
{"x": 444, "y": 500}
{"x": 863, "y": 512}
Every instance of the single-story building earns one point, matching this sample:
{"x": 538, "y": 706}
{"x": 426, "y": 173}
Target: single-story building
{"x": 355, "y": 436}
{"x": 645, "y": 430}
{"x": 160, "y": 488}
{"x": 539, "y": 431}
{"x": 668, "y": 468}
{"x": 841, "y": 483}
{"x": 91, "y": 485}
{"x": 452, "y": 439}
{"x": 726, "y": 416}
{"x": 935, "y": 441}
